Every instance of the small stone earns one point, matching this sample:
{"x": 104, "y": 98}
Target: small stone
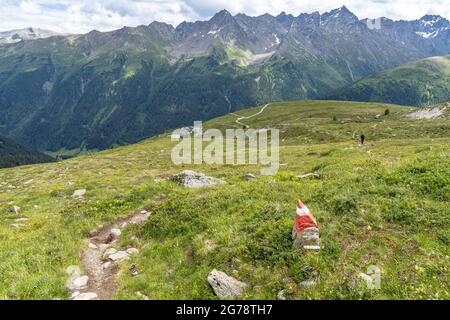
{"x": 76, "y": 293}
{"x": 131, "y": 251}
{"x": 144, "y": 212}
{"x": 73, "y": 271}
{"x": 80, "y": 282}
{"x": 27, "y": 182}
{"x": 116, "y": 232}
{"x": 78, "y": 194}
{"x": 123, "y": 225}
{"x": 86, "y": 296}
{"x": 14, "y": 209}
{"x": 281, "y": 295}
{"x": 308, "y": 283}
{"x": 310, "y": 175}
{"x": 108, "y": 252}
{"x": 21, "y": 220}
{"x": 134, "y": 271}
{"x": 92, "y": 246}
{"x": 106, "y": 265}
{"x": 119, "y": 255}
{"x": 224, "y": 286}
{"x": 248, "y": 177}
{"x": 142, "y": 296}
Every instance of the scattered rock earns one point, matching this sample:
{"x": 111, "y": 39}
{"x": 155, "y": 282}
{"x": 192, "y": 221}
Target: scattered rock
{"x": 78, "y": 194}
{"x": 115, "y": 233}
{"x": 79, "y": 282}
{"x": 308, "y": 283}
{"x": 106, "y": 265}
{"x": 134, "y": 271}
{"x": 281, "y": 295}
{"x": 248, "y": 177}
{"x": 75, "y": 294}
{"x": 14, "y": 209}
{"x": 73, "y": 271}
{"x": 131, "y": 251}
{"x": 21, "y": 220}
{"x": 365, "y": 277}
{"x": 193, "y": 180}
{"x": 28, "y": 182}
{"x": 378, "y": 116}
{"x": 108, "y": 252}
{"x": 92, "y": 246}
{"x": 86, "y": 296}
{"x": 119, "y": 255}
{"x": 142, "y": 296}
{"x": 224, "y": 286}
{"x": 310, "y": 175}
{"x": 143, "y": 212}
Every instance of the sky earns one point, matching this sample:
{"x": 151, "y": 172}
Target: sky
{"x": 81, "y": 16}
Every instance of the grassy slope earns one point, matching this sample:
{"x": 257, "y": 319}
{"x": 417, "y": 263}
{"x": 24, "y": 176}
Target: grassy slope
{"x": 418, "y": 83}
{"x": 386, "y": 203}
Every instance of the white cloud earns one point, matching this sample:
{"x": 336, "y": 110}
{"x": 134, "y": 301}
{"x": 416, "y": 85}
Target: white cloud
{"x": 78, "y": 16}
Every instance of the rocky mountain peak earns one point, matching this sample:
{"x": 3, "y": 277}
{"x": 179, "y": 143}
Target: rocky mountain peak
{"x": 222, "y": 17}
{"x": 430, "y": 26}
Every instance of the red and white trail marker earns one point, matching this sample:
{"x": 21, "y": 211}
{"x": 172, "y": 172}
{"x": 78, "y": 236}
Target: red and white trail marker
{"x": 305, "y": 231}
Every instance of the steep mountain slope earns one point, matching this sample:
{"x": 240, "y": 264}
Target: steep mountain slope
{"x": 12, "y": 154}
{"x": 418, "y": 83}
{"x": 384, "y": 204}
{"x": 68, "y": 94}
{"x": 13, "y": 36}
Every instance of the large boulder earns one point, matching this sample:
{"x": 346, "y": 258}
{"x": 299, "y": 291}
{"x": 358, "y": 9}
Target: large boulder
{"x": 224, "y": 286}
{"x": 193, "y": 180}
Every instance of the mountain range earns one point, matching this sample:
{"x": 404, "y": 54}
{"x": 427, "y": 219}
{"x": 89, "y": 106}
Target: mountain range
{"x": 71, "y": 93}
{"x": 14, "y": 36}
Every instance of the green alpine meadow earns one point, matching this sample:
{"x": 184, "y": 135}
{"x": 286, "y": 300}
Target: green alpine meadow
{"x": 385, "y": 203}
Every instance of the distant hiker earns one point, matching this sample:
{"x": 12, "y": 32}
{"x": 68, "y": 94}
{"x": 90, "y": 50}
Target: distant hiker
{"x": 363, "y": 137}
